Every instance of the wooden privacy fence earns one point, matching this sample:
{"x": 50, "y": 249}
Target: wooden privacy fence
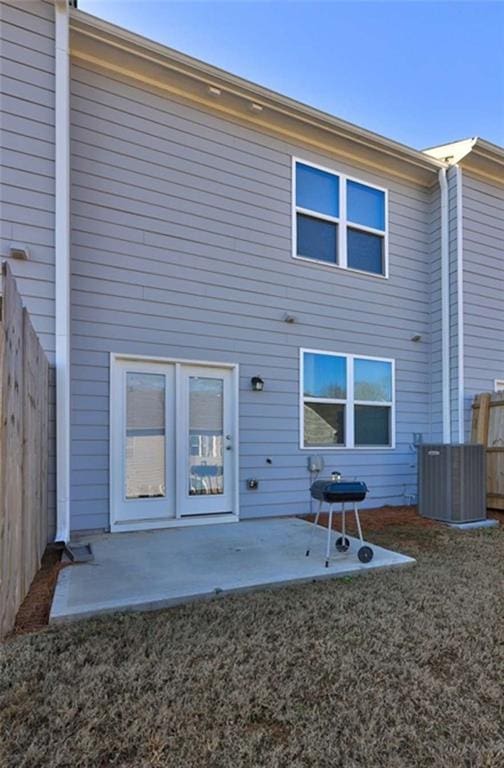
{"x": 24, "y": 374}
{"x": 488, "y": 429}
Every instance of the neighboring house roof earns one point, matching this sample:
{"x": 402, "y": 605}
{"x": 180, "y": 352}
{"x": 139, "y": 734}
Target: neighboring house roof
{"x": 474, "y": 154}
{"x": 126, "y": 53}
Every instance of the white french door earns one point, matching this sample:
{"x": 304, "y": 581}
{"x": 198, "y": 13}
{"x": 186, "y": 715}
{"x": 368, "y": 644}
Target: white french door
{"x": 173, "y": 443}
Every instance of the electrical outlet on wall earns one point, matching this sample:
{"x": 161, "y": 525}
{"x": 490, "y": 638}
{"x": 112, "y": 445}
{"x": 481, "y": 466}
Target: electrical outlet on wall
{"x": 316, "y": 463}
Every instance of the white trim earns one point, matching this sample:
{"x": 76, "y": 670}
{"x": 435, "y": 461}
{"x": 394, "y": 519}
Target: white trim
{"x": 178, "y": 409}
{"x": 460, "y": 304}
{"x": 349, "y": 403}
{"x": 363, "y": 228}
{"x": 328, "y": 264}
{"x": 115, "y": 450}
{"x": 117, "y": 356}
{"x": 498, "y": 385}
{"x": 336, "y": 172}
{"x": 445, "y": 307}
{"x": 317, "y": 215}
{"x": 177, "y": 522}
{"x": 342, "y": 230}
{"x": 62, "y": 269}
{"x": 342, "y": 221}
{"x": 350, "y": 409}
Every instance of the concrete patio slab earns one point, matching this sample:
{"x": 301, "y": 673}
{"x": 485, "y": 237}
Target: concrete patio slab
{"x": 156, "y": 569}
{"x": 487, "y": 523}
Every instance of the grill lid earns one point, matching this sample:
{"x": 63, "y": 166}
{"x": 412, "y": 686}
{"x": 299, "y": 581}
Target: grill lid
{"x": 333, "y": 491}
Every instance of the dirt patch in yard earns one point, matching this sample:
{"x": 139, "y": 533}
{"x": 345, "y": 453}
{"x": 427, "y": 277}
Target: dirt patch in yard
{"x": 393, "y": 527}
{"x": 391, "y": 669}
{"x": 33, "y": 613}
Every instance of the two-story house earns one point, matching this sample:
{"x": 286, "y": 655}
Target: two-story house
{"x": 233, "y": 286}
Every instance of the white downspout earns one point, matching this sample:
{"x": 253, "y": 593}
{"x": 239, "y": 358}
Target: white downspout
{"x": 460, "y": 305}
{"x": 62, "y": 268}
{"x": 445, "y": 307}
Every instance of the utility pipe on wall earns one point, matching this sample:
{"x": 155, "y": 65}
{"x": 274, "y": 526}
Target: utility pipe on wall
{"x": 445, "y": 307}
{"x": 62, "y": 268}
{"x": 460, "y": 304}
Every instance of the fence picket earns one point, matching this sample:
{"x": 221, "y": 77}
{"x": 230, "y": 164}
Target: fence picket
{"x": 23, "y": 452}
{"x": 488, "y": 429}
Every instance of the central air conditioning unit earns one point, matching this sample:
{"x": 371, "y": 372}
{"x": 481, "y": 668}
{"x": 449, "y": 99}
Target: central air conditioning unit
{"x": 452, "y": 482}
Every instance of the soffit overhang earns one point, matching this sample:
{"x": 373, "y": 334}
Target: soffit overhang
{"x": 474, "y": 155}
{"x": 154, "y": 66}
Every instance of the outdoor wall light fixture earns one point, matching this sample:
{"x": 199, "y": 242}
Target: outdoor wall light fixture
{"x": 257, "y": 383}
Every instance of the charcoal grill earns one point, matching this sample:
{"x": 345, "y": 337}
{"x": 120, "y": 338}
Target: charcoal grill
{"x": 337, "y": 490}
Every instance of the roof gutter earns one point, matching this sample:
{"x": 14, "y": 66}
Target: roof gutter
{"x": 62, "y": 268}
{"x": 445, "y": 307}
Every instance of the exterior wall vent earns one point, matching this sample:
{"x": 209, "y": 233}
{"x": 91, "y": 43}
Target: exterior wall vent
{"x": 452, "y": 482}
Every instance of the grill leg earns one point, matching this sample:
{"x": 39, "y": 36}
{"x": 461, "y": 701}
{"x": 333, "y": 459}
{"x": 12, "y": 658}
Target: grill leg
{"x": 357, "y": 523}
{"x": 343, "y": 521}
{"x": 313, "y": 526}
{"x": 329, "y": 529}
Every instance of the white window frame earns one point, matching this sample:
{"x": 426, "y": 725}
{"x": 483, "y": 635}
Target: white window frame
{"x": 342, "y": 222}
{"x": 499, "y": 385}
{"x": 349, "y": 403}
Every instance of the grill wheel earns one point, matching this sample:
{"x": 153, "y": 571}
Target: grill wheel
{"x": 342, "y": 546}
{"x": 365, "y": 554}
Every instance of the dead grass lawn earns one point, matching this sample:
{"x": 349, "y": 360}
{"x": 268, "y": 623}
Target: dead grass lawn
{"x": 399, "y": 669}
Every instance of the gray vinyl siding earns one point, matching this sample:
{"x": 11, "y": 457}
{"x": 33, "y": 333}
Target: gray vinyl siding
{"x": 27, "y": 168}
{"x": 27, "y": 154}
{"x": 483, "y": 233}
{"x": 181, "y": 247}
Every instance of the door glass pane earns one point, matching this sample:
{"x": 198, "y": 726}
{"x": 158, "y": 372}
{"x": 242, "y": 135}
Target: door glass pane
{"x": 372, "y": 425}
{"x": 317, "y": 239}
{"x": 145, "y": 436}
{"x": 324, "y": 424}
{"x": 206, "y": 436}
{"x": 324, "y": 376}
{"x": 373, "y": 380}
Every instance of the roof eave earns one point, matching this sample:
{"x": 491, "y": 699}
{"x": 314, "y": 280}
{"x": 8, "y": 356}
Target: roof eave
{"x": 246, "y": 101}
{"x": 474, "y": 155}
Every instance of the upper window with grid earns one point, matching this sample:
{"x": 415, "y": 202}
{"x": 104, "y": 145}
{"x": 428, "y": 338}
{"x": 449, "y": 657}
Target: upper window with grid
{"x": 339, "y": 220}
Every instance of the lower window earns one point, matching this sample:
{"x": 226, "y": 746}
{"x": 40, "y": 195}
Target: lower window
{"x": 365, "y": 251}
{"x": 317, "y": 239}
{"x": 347, "y": 401}
{"x": 372, "y": 425}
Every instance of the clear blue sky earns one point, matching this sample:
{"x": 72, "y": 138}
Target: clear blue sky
{"x": 423, "y": 73}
